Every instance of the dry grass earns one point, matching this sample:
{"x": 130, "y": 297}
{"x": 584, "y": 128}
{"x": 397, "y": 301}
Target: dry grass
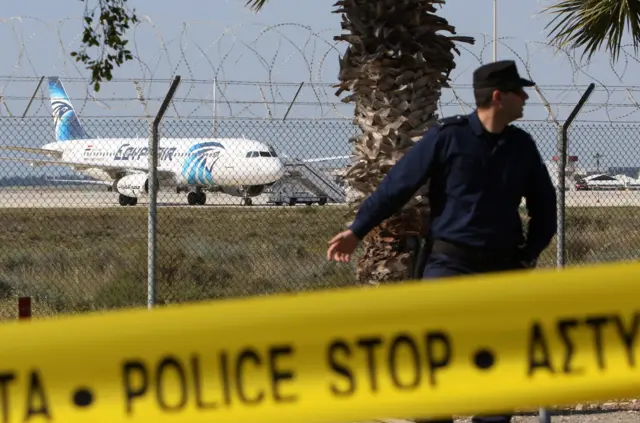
{"x": 598, "y": 235}
{"x": 72, "y": 260}
{"x": 79, "y": 260}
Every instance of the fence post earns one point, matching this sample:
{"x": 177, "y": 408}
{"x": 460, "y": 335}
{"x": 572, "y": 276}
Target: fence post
{"x": 561, "y": 252}
{"x": 32, "y": 97}
{"x": 24, "y": 308}
{"x": 560, "y": 212}
{"x": 292, "y": 101}
{"x": 562, "y": 164}
{"x": 153, "y": 195}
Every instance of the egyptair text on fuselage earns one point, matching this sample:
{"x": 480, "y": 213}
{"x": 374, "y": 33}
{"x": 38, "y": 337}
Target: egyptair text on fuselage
{"x": 127, "y": 152}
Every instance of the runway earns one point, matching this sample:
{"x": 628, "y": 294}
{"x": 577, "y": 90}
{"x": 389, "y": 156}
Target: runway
{"x": 629, "y": 198}
{"x": 74, "y": 197}
{"x": 81, "y": 197}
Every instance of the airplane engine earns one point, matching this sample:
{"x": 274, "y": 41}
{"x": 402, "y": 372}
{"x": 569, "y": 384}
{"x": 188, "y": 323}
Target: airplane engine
{"x": 249, "y": 191}
{"x": 133, "y": 186}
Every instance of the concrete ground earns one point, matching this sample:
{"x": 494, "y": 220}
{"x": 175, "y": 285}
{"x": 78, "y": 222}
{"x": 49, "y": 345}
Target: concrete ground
{"x": 608, "y": 413}
{"x": 89, "y": 197}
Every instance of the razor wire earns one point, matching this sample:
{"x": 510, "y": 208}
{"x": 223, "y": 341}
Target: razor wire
{"x": 287, "y": 70}
{"x": 187, "y": 55}
{"x": 616, "y": 101}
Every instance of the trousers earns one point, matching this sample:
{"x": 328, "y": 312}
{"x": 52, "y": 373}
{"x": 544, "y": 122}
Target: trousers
{"x": 440, "y": 265}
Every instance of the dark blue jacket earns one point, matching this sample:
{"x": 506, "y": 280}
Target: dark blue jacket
{"x": 477, "y": 183}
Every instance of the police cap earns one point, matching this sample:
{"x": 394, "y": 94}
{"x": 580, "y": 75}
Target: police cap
{"x": 502, "y": 74}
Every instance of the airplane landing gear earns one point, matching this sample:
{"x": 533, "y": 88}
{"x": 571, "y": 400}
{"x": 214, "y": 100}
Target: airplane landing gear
{"x": 246, "y": 201}
{"x": 197, "y": 198}
{"x": 127, "y": 201}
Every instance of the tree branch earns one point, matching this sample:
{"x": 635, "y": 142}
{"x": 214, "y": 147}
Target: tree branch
{"x": 256, "y": 5}
{"x": 590, "y": 24}
{"x": 105, "y": 32}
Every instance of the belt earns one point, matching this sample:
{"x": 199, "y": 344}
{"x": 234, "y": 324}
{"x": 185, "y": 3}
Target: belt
{"x": 474, "y": 254}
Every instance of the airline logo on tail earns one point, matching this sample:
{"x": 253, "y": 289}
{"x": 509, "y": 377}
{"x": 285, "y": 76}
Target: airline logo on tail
{"x": 67, "y": 125}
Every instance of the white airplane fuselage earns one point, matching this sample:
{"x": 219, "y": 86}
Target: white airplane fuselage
{"x": 215, "y": 162}
{"x": 236, "y": 166}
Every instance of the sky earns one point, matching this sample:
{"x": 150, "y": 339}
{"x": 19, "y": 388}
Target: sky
{"x": 260, "y": 59}
{"x": 289, "y": 41}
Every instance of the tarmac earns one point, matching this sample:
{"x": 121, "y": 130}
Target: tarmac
{"x": 79, "y": 197}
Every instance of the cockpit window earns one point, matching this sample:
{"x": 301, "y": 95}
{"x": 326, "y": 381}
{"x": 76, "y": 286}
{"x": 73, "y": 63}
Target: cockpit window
{"x": 260, "y": 154}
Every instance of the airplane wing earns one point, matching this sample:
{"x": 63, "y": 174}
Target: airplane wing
{"x": 291, "y": 160}
{"x": 81, "y": 181}
{"x": 114, "y": 171}
{"x": 324, "y": 159}
{"x": 54, "y": 153}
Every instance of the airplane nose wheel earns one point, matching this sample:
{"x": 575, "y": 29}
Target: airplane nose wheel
{"x": 246, "y": 202}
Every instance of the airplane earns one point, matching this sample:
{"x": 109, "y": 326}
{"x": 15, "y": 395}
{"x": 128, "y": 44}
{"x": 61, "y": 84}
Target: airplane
{"x": 236, "y": 166}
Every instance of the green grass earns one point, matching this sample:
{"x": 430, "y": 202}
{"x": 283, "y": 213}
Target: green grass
{"x": 76, "y": 260}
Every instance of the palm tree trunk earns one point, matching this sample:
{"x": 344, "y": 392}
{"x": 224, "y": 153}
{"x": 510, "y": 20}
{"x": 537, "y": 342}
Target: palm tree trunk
{"x": 395, "y": 66}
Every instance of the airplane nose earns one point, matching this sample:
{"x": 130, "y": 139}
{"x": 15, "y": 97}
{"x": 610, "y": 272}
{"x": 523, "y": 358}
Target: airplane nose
{"x": 274, "y": 171}
{"x": 279, "y": 169}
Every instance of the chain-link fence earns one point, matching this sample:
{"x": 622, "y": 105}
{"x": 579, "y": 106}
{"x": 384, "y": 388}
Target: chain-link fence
{"x": 75, "y": 244}
{"x": 602, "y": 197}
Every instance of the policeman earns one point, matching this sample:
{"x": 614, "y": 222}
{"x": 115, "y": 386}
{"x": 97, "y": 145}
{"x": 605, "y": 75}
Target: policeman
{"x": 480, "y": 167}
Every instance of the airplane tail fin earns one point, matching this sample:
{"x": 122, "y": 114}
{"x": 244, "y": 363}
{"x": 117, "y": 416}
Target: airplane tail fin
{"x": 67, "y": 125}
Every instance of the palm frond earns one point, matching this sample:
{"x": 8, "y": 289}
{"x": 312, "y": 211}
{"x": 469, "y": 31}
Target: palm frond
{"x": 588, "y": 24}
{"x": 255, "y": 5}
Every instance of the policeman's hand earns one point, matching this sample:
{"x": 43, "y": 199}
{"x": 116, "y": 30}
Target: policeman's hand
{"x": 342, "y": 246}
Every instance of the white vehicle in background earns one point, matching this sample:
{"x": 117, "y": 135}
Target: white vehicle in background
{"x": 600, "y": 182}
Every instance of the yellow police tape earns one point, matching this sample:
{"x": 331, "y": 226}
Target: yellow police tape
{"x": 476, "y": 344}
